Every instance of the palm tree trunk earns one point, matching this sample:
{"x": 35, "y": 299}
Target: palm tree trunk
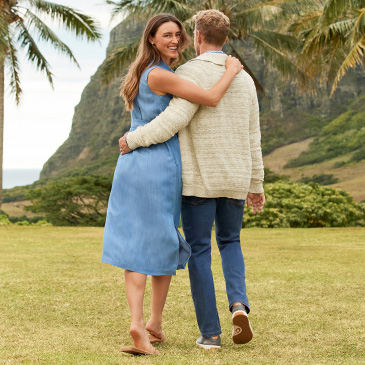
{"x": 1, "y": 127}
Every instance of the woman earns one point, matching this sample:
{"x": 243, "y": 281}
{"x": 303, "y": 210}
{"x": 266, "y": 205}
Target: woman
{"x": 141, "y": 233}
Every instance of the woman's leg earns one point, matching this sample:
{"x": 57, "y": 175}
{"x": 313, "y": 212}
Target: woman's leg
{"x": 135, "y": 284}
{"x": 160, "y": 288}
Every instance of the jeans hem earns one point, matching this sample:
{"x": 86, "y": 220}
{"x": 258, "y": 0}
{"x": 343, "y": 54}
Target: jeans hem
{"x": 212, "y": 335}
{"x": 244, "y": 302}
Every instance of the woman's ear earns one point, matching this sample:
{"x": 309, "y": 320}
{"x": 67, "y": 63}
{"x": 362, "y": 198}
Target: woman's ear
{"x": 150, "y": 39}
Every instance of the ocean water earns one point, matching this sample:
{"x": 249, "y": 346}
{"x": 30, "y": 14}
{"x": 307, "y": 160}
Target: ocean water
{"x": 19, "y": 177}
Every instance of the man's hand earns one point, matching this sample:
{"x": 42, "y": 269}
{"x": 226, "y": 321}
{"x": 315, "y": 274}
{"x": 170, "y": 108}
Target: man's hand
{"x": 257, "y": 201}
{"x": 123, "y": 145}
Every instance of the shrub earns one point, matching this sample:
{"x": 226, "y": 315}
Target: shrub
{"x": 358, "y": 155}
{"x": 42, "y": 223}
{"x": 324, "y": 179}
{"x": 4, "y": 220}
{"x": 73, "y": 201}
{"x": 339, "y": 164}
{"x": 306, "y": 205}
{"x": 25, "y": 218}
{"x": 22, "y": 223}
{"x": 271, "y": 177}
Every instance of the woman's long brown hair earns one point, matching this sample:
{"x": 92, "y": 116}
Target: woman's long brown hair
{"x": 146, "y": 54}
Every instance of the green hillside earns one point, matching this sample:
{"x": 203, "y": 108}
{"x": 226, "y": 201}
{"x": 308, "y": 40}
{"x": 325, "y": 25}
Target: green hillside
{"x": 351, "y": 176}
{"x": 344, "y": 135}
{"x": 294, "y": 126}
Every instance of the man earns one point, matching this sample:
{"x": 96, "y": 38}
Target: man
{"x": 221, "y": 167}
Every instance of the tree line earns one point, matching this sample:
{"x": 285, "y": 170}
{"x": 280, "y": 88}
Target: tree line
{"x": 82, "y": 201}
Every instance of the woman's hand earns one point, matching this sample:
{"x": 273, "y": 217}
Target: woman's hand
{"x": 233, "y": 63}
{"x": 123, "y": 146}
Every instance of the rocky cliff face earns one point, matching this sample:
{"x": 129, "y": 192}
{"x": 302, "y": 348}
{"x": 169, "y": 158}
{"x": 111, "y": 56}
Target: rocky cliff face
{"x": 99, "y": 121}
{"x": 100, "y": 118}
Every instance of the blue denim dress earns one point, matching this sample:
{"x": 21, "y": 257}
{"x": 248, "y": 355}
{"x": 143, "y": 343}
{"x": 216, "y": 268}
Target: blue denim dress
{"x": 143, "y": 214}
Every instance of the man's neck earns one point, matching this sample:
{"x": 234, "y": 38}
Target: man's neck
{"x": 209, "y": 47}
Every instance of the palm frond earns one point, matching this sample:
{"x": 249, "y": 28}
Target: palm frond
{"x": 34, "y": 54}
{"x": 322, "y": 50}
{"x": 127, "y": 7}
{"x": 254, "y": 17}
{"x": 13, "y": 64}
{"x": 333, "y": 9}
{"x": 333, "y": 45}
{"x": 342, "y": 27}
{"x": 295, "y": 7}
{"x": 81, "y": 25}
{"x": 274, "y": 14}
{"x": 353, "y": 58}
{"x": 318, "y": 39}
{"x": 304, "y": 23}
{"x": 280, "y": 41}
{"x": 115, "y": 64}
{"x": 181, "y": 9}
{"x": 266, "y": 10}
{"x": 359, "y": 26}
{"x": 332, "y": 59}
{"x": 272, "y": 9}
{"x": 281, "y": 61}
{"x": 48, "y": 35}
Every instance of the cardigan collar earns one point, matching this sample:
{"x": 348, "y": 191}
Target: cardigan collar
{"x": 217, "y": 58}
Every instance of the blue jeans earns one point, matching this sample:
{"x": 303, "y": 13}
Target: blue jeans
{"x": 198, "y": 215}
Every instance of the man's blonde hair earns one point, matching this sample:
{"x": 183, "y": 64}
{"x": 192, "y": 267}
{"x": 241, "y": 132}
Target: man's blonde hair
{"x": 213, "y": 25}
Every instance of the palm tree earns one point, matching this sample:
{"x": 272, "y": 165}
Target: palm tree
{"x": 254, "y": 21}
{"x": 333, "y": 39}
{"x": 18, "y": 21}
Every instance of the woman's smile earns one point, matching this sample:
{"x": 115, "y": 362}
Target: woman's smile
{"x": 166, "y": 40}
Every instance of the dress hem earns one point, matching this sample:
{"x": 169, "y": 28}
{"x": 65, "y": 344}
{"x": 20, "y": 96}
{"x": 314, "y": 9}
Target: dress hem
{"x": 145, "y": 272}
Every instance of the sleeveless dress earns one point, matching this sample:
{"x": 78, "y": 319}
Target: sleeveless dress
{"x": 143, "y": 213}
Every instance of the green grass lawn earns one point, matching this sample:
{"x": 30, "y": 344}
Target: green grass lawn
{"x": 60, "y": 304}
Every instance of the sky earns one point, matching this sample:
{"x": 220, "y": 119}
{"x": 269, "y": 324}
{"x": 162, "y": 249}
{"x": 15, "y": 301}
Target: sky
{"x": 42, "y": 122}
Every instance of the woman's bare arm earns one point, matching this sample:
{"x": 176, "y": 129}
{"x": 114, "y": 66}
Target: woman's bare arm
{"x": 165, "y": 82}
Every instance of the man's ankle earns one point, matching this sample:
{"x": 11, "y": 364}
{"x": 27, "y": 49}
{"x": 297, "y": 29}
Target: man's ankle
{"x": 238, "y": 304}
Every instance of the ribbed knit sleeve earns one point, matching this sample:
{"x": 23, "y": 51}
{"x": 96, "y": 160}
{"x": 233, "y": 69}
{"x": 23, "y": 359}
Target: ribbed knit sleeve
{"x": 174, "y": 118}
{"x": 257, "y": 176}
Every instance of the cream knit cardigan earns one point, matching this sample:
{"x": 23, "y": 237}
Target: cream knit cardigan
{"x": 220, "y": 147}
